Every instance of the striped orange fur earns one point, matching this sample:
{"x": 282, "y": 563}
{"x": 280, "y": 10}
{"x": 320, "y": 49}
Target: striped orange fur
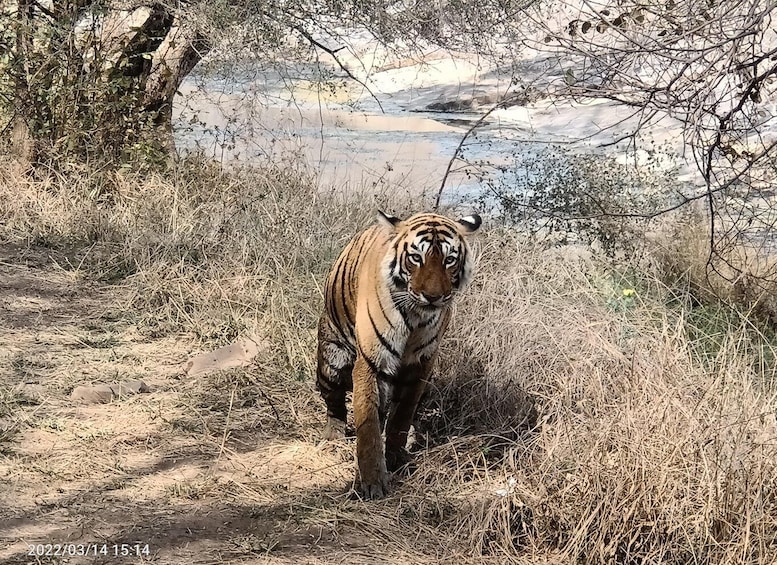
{"x": 387, "y": 305}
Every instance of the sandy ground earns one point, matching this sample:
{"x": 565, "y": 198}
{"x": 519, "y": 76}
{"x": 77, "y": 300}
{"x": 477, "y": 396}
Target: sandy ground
{"x": 199, "y": 470}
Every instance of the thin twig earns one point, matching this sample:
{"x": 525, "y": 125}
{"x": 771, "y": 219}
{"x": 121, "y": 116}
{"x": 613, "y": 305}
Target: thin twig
{"x": 333, "y": 54}
{"x": 458, "y": 150}
{"x": 226, "y": 424}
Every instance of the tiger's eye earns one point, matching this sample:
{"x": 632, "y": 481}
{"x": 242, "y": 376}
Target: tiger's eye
{"x": 414, "y": 258}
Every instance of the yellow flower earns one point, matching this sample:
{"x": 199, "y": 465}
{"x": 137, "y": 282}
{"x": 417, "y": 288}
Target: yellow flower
{"x": 629, "y": 292}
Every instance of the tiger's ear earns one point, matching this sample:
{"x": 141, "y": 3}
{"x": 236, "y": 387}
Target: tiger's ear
{"x": 388, "y": 221}
{"x": 470, "y": 223}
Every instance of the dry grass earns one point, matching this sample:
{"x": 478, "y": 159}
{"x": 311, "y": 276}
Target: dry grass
{"x": 741, "y": 271}
{"x": 583, "y": 411}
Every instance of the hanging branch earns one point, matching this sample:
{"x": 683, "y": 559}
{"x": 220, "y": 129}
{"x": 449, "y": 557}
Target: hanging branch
{"x": 333, "y": 54}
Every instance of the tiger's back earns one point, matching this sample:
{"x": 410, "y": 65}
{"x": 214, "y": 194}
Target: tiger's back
{"x": 387, "y": 302}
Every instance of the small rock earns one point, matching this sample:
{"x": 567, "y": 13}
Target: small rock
{"x": 237, "y": 354}
{"x": 105, "y": 393}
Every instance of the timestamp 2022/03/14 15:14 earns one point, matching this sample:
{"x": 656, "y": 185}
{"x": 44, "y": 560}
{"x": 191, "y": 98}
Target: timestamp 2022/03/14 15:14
{"x": 96, "y": 549}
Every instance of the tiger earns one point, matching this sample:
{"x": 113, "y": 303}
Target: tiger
{"x": 386, "y": 307}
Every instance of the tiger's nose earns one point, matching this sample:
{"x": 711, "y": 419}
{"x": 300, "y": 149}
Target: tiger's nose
{"x": 432, "y": 298}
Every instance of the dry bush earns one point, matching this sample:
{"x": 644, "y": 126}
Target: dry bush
{"x": 742, "y": 273}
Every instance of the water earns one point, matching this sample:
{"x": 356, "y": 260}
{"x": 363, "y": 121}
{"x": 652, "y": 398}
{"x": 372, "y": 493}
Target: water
{"x": 352, "y": 142}
{"x": 347, "y": 147}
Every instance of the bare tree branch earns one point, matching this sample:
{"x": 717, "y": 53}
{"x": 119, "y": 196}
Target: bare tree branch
{"x": 455, "y": 155}
{"x": 333, "y": 54}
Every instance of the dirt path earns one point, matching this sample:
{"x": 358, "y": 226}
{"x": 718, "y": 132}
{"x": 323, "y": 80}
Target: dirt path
{"x": 224, "y": 468}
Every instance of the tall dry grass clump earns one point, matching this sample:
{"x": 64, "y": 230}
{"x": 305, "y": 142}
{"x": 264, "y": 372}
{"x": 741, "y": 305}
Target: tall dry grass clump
{"x": 740, "y": 270}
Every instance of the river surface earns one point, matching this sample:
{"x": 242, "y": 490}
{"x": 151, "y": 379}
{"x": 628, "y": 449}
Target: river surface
{"x": 387, "y": 143}
{"x": 351, "y": 146}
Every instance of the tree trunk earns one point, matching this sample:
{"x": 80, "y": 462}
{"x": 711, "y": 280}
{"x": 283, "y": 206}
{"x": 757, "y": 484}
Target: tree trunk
{"x": 173, "y": 60}
{"x": 95, "y": 85}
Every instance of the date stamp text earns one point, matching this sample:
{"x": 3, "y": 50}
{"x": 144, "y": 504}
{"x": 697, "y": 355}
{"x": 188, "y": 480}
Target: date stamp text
{"x": 86, "y": 549}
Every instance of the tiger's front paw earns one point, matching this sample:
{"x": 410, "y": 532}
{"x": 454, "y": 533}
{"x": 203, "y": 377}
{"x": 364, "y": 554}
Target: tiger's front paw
{"x": 399, "y": 459}
{"x": 373, "y": 490}
{"x": 334, "y": 430}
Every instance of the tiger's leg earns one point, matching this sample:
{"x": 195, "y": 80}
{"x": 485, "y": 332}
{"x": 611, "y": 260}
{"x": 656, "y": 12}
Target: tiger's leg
{"x": 333, "y": 380}
{"x": 410, "y": 386}
{"x": 369, "y": 441}
{"x": 333, "y": 386}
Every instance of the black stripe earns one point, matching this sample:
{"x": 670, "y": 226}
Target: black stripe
{"x": 370, "y": 363}
{"x": 334, "y": 322}
{"x": 399, "y": 283}
{"x": 402, "y": 314}
{"x": 424, "y": 222}
{"x": 330, "y": 308}
{"x": 346, "y": 310}
{"x": 395, "y": 250}
{"x": 349, "y": 270}
{"x": 357, "y": 253}
{"x": 343, "y": 298}
{"x": 383, "y": 341}
{"x": 426, "y": 344}
{"x": 362, "y": 243}
{"x": 383, "y": 311}
{"x": 356, "y": 256}
{"x": 430, "y": 241}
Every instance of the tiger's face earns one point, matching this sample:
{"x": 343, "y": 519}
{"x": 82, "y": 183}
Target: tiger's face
{"x": 428, "y": 258}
